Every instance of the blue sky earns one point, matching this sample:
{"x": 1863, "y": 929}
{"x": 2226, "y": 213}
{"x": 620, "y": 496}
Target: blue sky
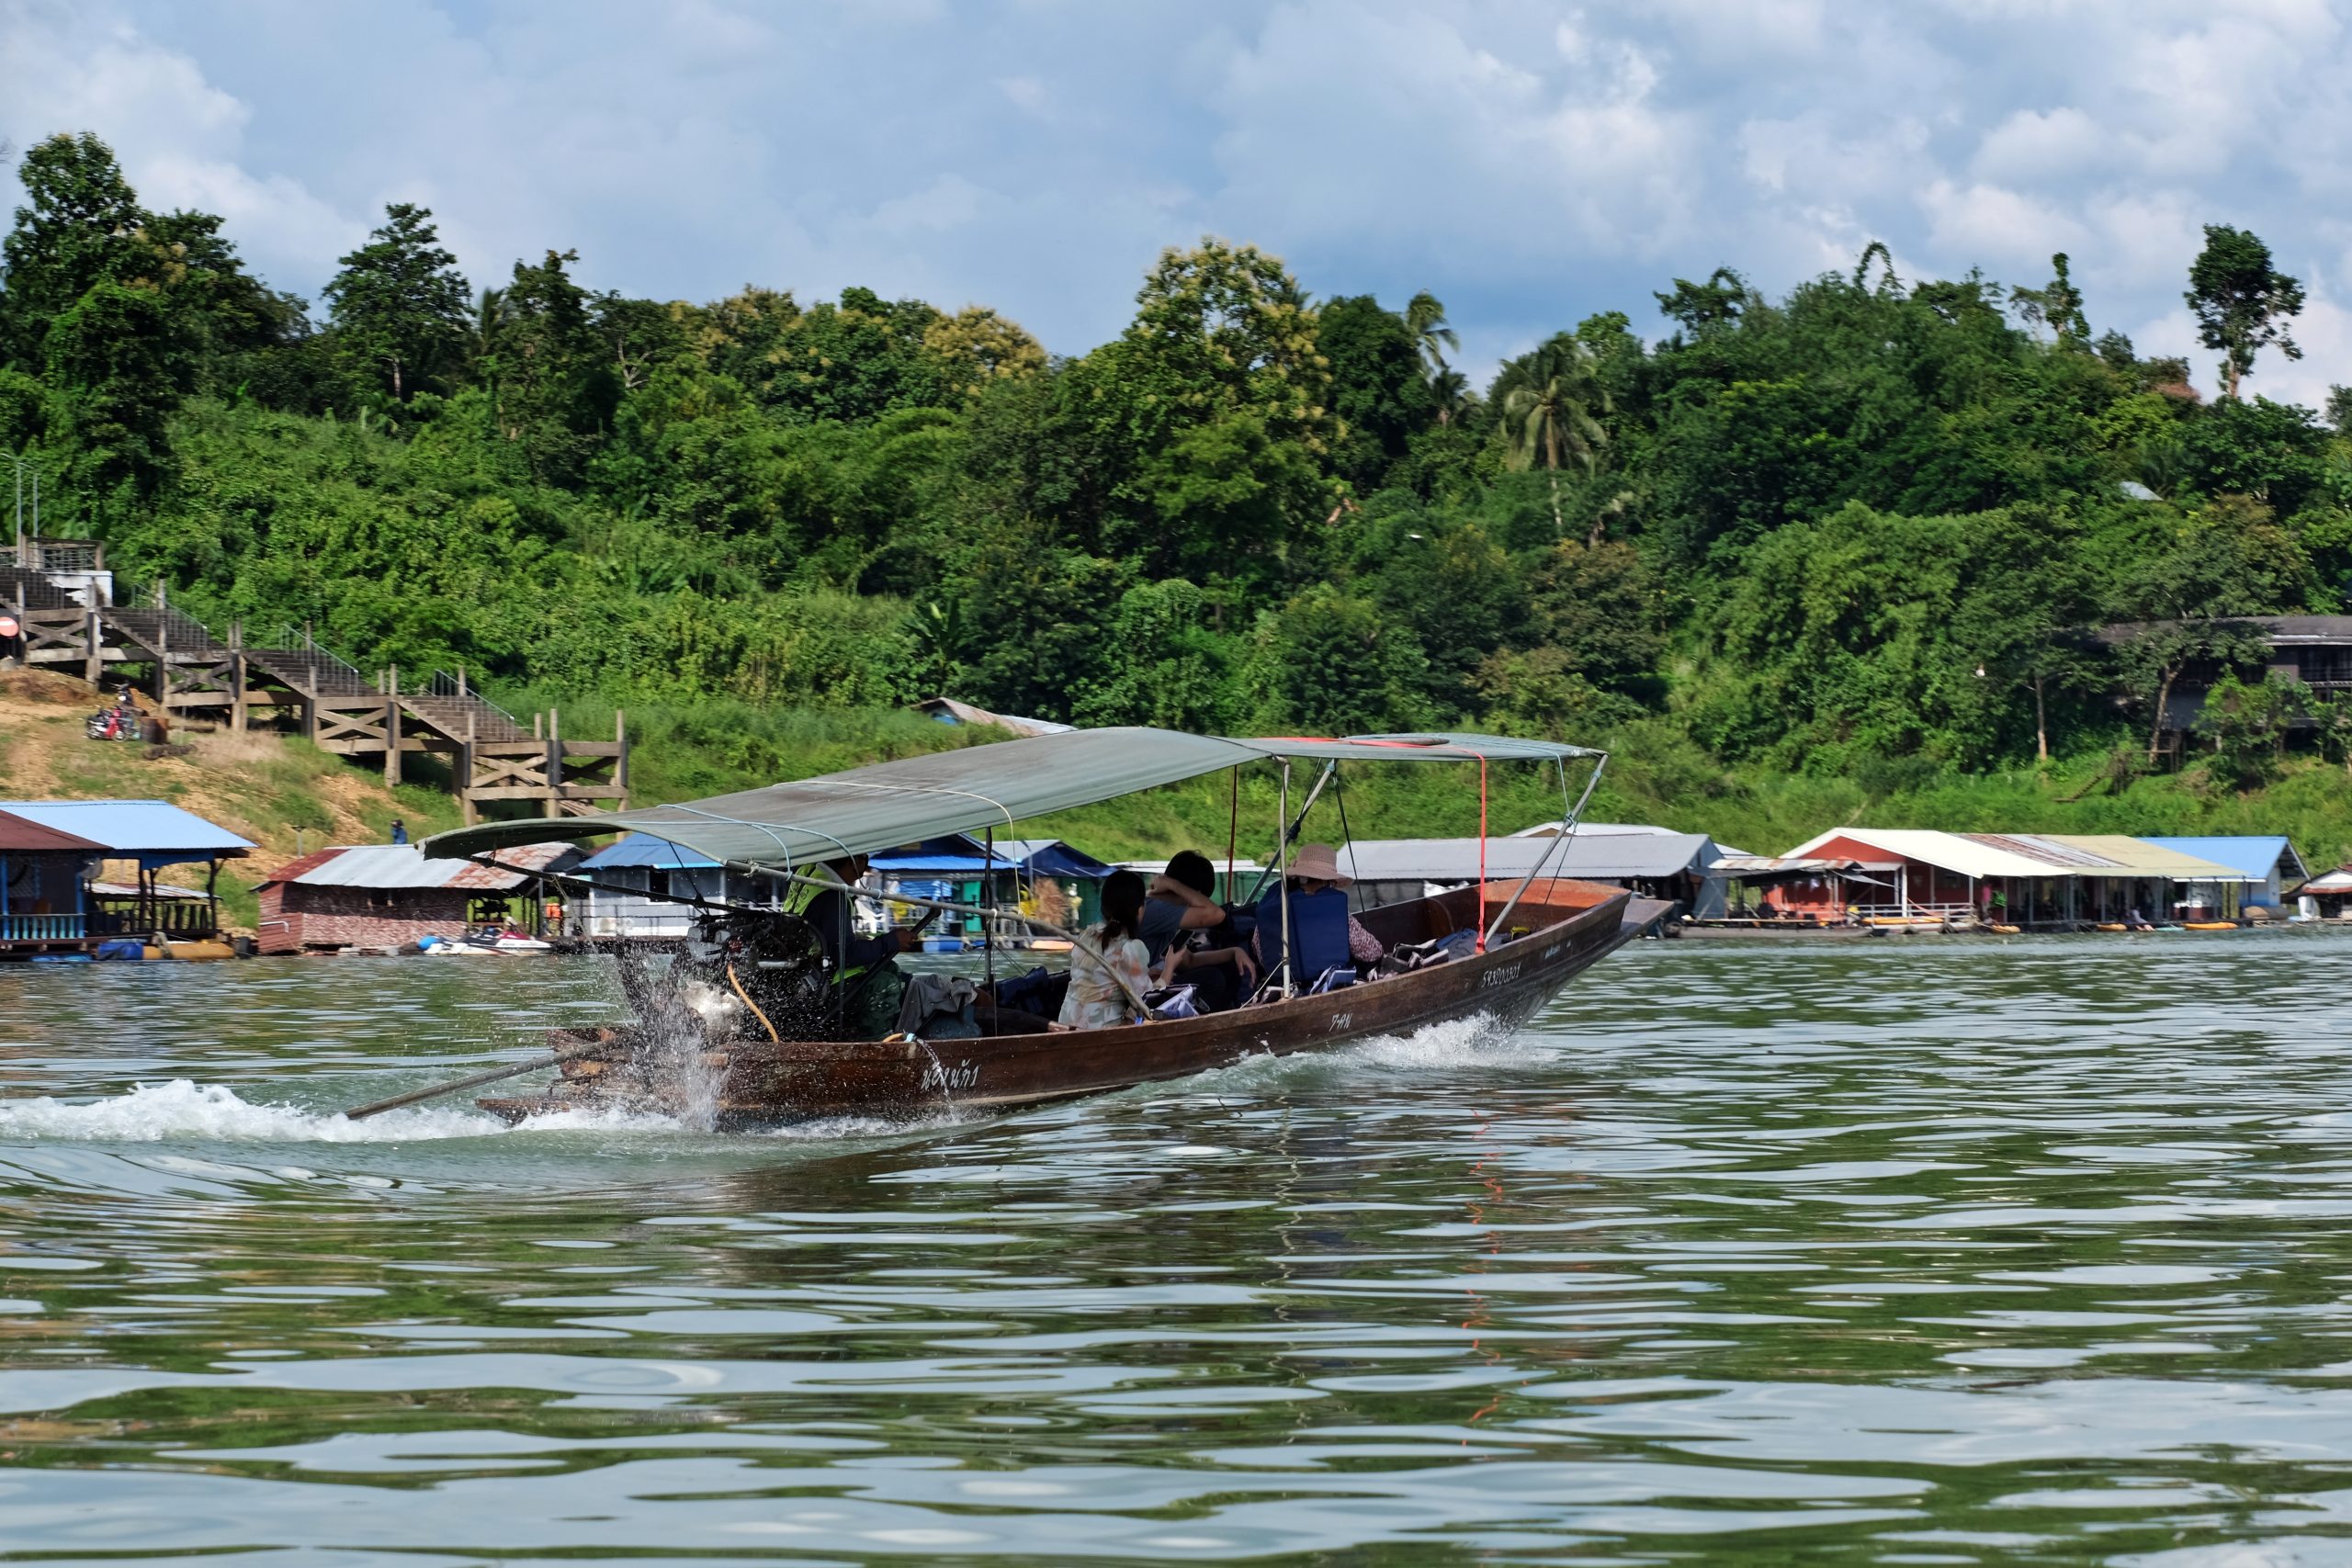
{"x": 1529, "y": 162}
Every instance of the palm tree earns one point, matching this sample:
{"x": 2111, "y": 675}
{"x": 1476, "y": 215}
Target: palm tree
{"x": 1548, "y": 398}
{"x": 1425, "y": 319}
{"x": 1452, "y": 391}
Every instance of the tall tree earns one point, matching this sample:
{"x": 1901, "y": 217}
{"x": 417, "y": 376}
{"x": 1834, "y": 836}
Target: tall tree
{"x": 81, "y": 223}
{"x": 2243, "y": 303}
{"x": 399, "y": 303}
{"x": 554, "y": 383}
{"x": 1425, "y": 319}
{"x": 1548, "y": 398}
{"x": 1377, "y": 385}
{"x": 2058, "y": 305}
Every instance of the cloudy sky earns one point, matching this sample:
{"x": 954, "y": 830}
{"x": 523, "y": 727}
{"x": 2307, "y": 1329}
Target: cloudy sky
{"x": 1530, "y": 160}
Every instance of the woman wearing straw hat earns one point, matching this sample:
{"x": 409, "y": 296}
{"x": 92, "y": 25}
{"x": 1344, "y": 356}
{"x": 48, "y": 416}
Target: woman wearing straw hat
{"x": 1325, "y": 935}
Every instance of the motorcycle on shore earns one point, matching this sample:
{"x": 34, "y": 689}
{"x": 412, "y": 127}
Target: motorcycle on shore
{"x": 120, "y": 722}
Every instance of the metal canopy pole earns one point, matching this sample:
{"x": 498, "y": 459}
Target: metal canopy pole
{"x": 1330, "y": 771}
{"x": 1567, "y": 829}
{"x": 1282, "y": 868}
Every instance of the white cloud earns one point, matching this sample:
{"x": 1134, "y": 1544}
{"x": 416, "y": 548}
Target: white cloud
{"x": 177, "y": 135}
{"x": 1530, "y": 162}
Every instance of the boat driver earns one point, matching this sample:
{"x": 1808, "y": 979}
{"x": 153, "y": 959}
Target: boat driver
{"x": 864, "y": 968}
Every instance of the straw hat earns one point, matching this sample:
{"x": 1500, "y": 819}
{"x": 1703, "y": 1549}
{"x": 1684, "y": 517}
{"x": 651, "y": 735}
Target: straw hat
{"x": 1319, "y": 862}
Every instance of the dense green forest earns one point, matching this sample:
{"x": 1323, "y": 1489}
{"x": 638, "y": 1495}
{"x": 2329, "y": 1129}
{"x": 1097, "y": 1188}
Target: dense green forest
{"x": 1846, "y": 542}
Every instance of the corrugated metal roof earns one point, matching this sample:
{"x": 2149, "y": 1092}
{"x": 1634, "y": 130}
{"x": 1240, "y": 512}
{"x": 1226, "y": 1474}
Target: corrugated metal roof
{"x": 26, "y": 837}
{"x": 1948, "y": 851}
{"x": 2144, "y": 857}
{"x": 2049, "y": 849}
{"x": 643, "y": 849}
{"x": 2251, "y": 854}
{"x": 2029, "y": 854}
{"x": 1733, "y": 862}
{"x": 1612, "y": 857}
{"x": 155, "y": 832}
{"x": 404, "y": 865}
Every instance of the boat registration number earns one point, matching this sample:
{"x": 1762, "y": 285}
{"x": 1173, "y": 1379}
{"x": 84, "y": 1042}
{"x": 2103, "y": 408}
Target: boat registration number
{"x": 962, "y": 1075}
{"x": 1503, "y": 976}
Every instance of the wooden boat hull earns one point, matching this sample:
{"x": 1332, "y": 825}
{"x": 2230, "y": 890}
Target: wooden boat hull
{"x": 1574, "y": 924}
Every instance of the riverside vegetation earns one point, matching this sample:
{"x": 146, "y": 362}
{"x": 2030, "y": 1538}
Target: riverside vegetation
{"x": 1795, "y": 561}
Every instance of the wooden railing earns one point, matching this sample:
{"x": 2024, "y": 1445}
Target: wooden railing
{"x": 173, "y": 917}
{"x": 42, "y": 927}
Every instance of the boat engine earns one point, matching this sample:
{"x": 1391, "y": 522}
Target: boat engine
{"x": 755, "y": 974}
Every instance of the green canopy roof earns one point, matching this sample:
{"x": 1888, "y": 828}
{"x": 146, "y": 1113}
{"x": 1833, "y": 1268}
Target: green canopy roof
{"x": 967, "y": 790}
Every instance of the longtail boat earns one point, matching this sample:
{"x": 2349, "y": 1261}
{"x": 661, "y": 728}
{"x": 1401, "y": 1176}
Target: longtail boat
{"x": 1525, "y": 937}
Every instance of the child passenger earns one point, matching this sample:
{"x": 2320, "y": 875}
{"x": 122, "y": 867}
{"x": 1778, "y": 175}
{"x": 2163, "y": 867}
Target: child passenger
{"x": 1107, "y": 954}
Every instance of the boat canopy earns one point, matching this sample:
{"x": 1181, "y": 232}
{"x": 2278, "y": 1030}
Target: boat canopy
{"x": 969, "y": 789}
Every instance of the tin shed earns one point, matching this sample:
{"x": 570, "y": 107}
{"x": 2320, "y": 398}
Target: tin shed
{"x": 388, "y": 895}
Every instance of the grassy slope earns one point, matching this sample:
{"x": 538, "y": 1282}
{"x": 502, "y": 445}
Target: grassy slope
{"x": 278, "y": 791}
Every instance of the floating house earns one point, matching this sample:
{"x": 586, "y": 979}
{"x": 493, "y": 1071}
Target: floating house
{"x": 1654, "y": 863}
{"x": 1771, "y": 886}
{"x": 53, "y": 851}
{"x": 955, "y": 868}
{"x": 2330, "y": 894}
{"x": 1918, "y": 875}
{"x": 44, "y": 893}
{"x": 2270, "y": 858}
{"x": 390, "y": 895}
{"x": 635, "y": 877}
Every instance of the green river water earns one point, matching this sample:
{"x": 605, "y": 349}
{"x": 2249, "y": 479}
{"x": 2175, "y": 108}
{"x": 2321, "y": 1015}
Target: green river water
{"x": 1923, "y": 1250}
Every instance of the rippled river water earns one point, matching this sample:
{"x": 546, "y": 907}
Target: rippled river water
{"x": 1926, "y": 1251}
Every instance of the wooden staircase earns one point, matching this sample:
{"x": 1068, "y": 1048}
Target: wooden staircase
{"x": 61, "y": 597}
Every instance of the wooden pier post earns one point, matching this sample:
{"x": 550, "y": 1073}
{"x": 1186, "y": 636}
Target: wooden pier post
{"x": 237, "y": 676}
{"x": 555, "y": 764}
{"x": 392, "y": 727}
{"x": 163, "y": 655}
{"x": 465, "y": 780}
{"x": 620, "y": 764}
{"x": 94, "y": 664}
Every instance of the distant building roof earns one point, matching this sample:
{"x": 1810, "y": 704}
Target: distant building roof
{"x": 645, "y": 849}
{"x": 24, "y": 836}
{"x": 2253, "y": 854}
{"x": 152, "y": 832}
{"x": 2030, "y": 855}
{"x": 949, "y": 854}
{"x": 2281, "y": 631}
{"x": 1054, "y": 857}
{"x": 947, "y": 710}
{"x": 384, "y": 866}
{"x": 1610, "y": 857}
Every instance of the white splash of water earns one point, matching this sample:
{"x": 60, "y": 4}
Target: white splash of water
{"x": 183, "y": 1110}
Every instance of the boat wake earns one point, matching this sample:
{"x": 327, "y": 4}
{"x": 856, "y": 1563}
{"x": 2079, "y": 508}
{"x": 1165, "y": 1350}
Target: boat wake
{"x": 183, "y": 1111}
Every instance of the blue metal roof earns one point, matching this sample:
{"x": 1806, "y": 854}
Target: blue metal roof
{"x": 152, "y": 832}
{"x": 644, "y": 849}
{"x": 2253, "y": 854}
{"x": 954, "y": 854}
{"x": 1055, "y": 858}
{"x": 936, "y": 866}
